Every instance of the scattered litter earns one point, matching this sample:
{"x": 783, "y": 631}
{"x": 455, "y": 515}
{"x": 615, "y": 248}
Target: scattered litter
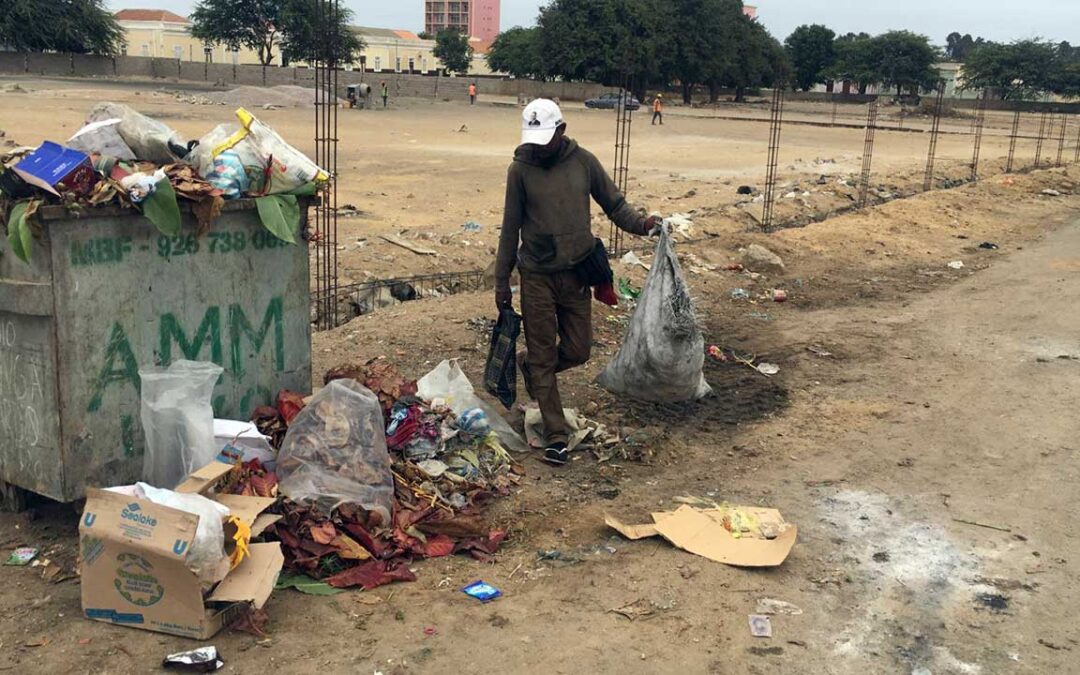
{"x": 995, "y": 602}
{"x": 818, "y": 351}
{"x": 680, "y": 223}
{"x": 956, "y": 264}
{"x": 398, "y": 241}
{"x": 743, "y": 536}
{"x": 740, "y": 294}
{"x": 760, "y": 626}
{"x": 1049, "y": 192}
{"x": 627, "y": 290}
{"x": 999, "y": 528}
{"x": 584, "y": 433}
{"x": 715, "y": 352}
{"x": 635, "y": 610}
{"x": 22, "y": 556}
{"x": 482, "y": 591}
{"x": 201, "y": 660}
{"x": 631, "y": 259}
{"x": 779, "y": 295}
{"x": 40, "y": 642}
{"x": 773, "y": 606}
{"x": 431, "y": 631}
{"x": 472, "y": 226}
{"x": 761, "y": 316}
{"x": 768, "y": 368}
{"x": 990, "y": 246}
{"x": 744, "y": 190}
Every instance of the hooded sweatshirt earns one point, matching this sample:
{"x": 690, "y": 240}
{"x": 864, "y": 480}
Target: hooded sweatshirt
{"x": 548, "y": 211}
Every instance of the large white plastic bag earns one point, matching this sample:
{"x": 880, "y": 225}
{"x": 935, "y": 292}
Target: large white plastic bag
{"x": 335, "y": 452}
{"x": 447, "y": 383}
{"x": 148, "y": 138}
{"x": 178, "y": 420}
{"x": 207, "y": 556}
{"x": 663, "y": 353}
{"x": 272, "y": 165}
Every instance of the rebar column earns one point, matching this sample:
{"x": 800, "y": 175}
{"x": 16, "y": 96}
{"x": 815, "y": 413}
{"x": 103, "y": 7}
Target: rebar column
{"x": 868, "y": 152}
{"x": 979, "y": 122}
{"x": 621, "y": 171}
{"x": 1012, "y": 141}
{"x": 325, "y": 63}
{"x": 1042, "y": 132}
{"x": 776, "y": 120}
{"x": 1061, "y": 140}
{"x": 935, "y": 129}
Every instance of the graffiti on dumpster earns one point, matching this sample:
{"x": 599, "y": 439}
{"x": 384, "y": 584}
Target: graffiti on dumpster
{"x": 206, "y": 341}
{"x": 22, "y": 388}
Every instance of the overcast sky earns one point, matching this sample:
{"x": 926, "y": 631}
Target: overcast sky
{"x": 1000, "y": 20}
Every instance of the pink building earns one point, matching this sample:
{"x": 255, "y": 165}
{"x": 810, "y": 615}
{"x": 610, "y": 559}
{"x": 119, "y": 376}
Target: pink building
{"x": 750, "y": 11}
{"x": 484, "y": 20}
{"x": 477, "y": 18}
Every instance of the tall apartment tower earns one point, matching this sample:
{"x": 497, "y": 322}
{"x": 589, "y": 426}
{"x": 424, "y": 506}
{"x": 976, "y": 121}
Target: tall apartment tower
{"x": 477, "y": 18}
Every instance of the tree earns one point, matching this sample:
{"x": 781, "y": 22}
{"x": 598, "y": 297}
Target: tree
{"x": 760, "y": 60}
{"x": 453, "y": 49}
{"x": 255, "y": 24}
{"x": 811, "y": 51}
{"x": 854, "y": 60}
{"x": 606, "y": 41}
{"x": 700, "y": 42}
{"x": 1023, "y": 69}
{"x": 905, "y": 60}
{"x": 517, "y": 52}
{"x": 304, "y": 25}
{"x": 72, "y": 26}
{"x": 957, "y": 46}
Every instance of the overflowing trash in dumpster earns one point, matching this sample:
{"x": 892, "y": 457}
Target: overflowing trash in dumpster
{"x": 124, "y": 158}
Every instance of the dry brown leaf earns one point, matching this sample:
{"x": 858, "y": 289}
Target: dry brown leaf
{"x": 349, "y": 549}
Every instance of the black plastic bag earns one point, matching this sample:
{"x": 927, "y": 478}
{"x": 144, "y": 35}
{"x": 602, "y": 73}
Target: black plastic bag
{"x": 500, "y": 372}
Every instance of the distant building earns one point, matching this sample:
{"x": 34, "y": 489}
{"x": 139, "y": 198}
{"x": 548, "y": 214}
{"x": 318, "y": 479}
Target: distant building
{"x": 399, "y": 51}
{"x": 163, "y": 34}
{"x": 475, "y": 18}
{"x": 750, "y": 11}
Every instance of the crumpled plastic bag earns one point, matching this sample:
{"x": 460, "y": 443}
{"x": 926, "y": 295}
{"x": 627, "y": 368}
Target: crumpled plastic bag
{"x": 101, "y": 137}
{"x": 141, "y": 185}
{"x": 178, "y": 420}
{"x": 335, "y": 452}
{"x": 206, "y": 557}
{"x": 663, "y": 354}
{"x": 148, "y": 138}
{"x": 272, "y": 166}
{"x": 446, "y": 383}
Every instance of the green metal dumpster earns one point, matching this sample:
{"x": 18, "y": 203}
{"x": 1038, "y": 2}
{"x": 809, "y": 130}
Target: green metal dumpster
{"x": 106, "y": 294}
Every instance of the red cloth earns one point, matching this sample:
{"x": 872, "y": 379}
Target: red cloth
{"x": 605, "y": 293}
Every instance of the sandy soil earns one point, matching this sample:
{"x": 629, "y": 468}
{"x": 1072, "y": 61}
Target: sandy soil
{"x": 947, "y": 397}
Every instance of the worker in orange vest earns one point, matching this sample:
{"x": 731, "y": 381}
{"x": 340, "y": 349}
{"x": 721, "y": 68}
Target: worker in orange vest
{"x": 472, "y": 93}
{"x": 658, "y": 109}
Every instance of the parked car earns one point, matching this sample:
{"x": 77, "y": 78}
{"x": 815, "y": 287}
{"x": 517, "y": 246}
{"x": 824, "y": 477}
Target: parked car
{"x": 610, "y": 101}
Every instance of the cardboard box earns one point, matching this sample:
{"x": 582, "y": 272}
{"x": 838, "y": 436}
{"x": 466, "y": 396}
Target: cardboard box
{"x": 53, "y": 165}
{"x": 133, "y": 562}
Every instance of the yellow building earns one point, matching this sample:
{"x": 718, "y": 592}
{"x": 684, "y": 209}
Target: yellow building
{"x": 163, "y": 34}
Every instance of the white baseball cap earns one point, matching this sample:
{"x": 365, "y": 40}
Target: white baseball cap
{"x": 539, "y": 121}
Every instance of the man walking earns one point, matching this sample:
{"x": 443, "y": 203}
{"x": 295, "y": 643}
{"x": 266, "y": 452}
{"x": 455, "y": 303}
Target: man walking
{"x": 385, "y": 93}
{"x": 472, "y": 93}
{"x": 548, "y": 190}
{"x": 658, "y": 109}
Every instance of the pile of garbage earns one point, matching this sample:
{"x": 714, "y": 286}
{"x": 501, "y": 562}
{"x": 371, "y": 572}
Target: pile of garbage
{"x": 123, "y": 158}
{"x": 375, "y": 471}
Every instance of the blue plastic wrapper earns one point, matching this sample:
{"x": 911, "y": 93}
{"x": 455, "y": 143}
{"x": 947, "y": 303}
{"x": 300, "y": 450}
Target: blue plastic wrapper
{"x": 229, "y": 175}
{"x": 474, "y": 422}
{"x": 482, "y": 591}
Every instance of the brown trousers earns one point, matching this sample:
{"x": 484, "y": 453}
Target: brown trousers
{"x": 557, "y": 312}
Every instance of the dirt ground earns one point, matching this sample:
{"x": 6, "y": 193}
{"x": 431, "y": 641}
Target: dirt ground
{"x": 945, "y": 399}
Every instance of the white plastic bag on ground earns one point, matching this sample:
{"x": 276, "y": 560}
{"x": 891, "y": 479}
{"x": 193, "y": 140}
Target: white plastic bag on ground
{"x": 148, "y": 139}
{"x": 448, "y": 384}
{"x": 335, "y": 452}
{"x": 663, "y": 353}
{"x": 207, "y": 556}
{"x": 272, "y": 165}
{"x": 178, "y": 420}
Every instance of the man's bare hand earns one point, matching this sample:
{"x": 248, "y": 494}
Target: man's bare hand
{"x": 653, "y": 225}
{"x": 504, "y": 298}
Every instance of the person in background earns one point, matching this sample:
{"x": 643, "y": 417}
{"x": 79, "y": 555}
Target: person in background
{"x": 549, "y": 188}
{"x": 658, "y": 109}
{"x": 472, "y": 93}
{"x": 385, "y": 93}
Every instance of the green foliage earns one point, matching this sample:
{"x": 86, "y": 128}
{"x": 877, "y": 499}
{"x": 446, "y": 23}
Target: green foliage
{"x": 302, "y": 28}
{"x": 19, "y": 236}
{"x": 280, "y": 214}
{"x": 239, "y": 23}
{"x": 453, "y": 49}
{"x": 69, "y": 26}
{"x": 957, "y": 46}
{"x": 517, "y": 52}
{"x": 305, "y": 584}
{"x": 898, "y": 59}
{"x": 812, "y": 53}
{"x": 161, "y": 209}
{"x": 1024, "y": 69}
